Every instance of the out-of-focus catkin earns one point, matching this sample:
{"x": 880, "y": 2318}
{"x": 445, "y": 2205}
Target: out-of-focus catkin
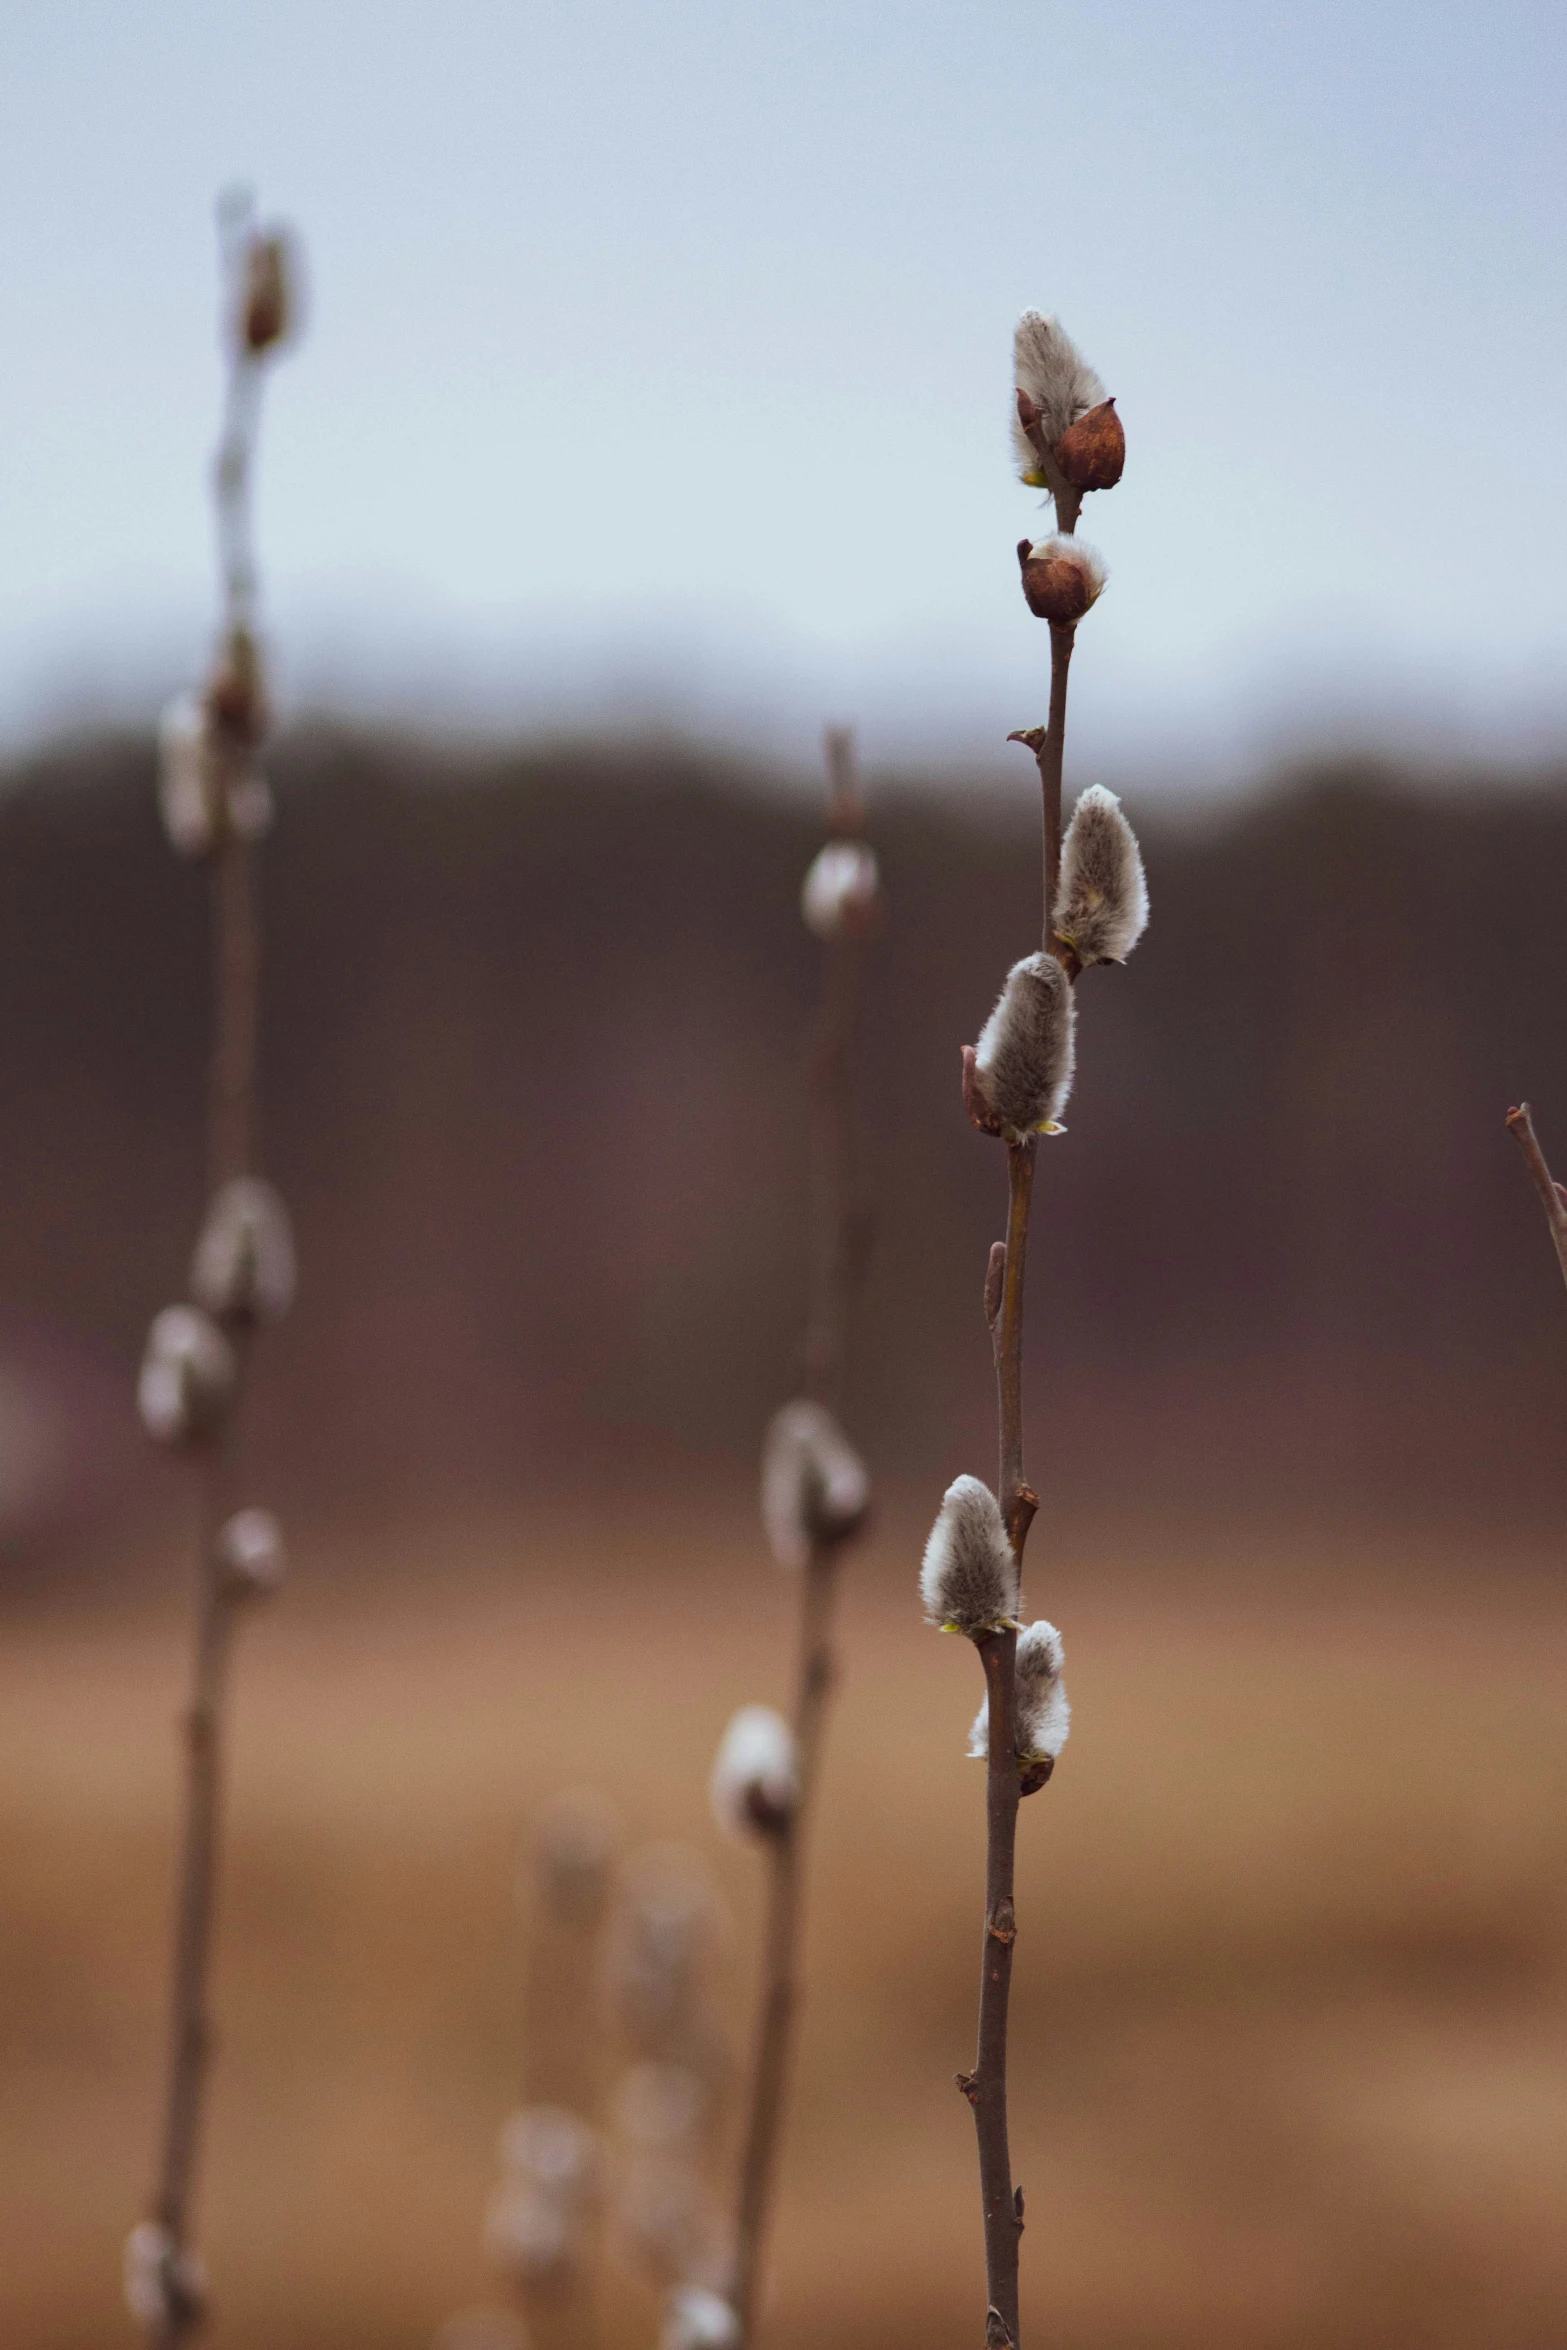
{"x": 243, "y": 1269}
{"x": 969, "y": 1579}
{"x": 755, "y": 1786}
{"x": 815, "y": 1490}
{"x": 1101, "y": 908}
{"x": 841, "y": 894}
{"x": 186, "y": 1383}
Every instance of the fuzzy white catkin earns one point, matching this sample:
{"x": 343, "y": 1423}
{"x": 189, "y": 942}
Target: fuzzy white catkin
{"x": 815, "y": 1491}
{"x": 187, "y": 1376}
{"x": 1042, "y": 1716}
{"x": 699, "y": 2320}
{"x": 1024, "y": 1056}
{"x": 1048, "y": 366}
{"x": 841, "y": 892}
{"x": 160, "y": 2283}
{"x": 251, "y": 1552}
{"x": 1063, "y": 578}
{"x": 754, "y": 1787}
{"x": 539, "y": 2215}
{"x": 190, "y": 790}
{"x": 243, "y": 1268}
{"x": 969, "y": 1579}
{"x": 1101, "y": 907}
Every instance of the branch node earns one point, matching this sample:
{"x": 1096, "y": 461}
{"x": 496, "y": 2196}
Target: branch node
{"x": 995, "y": 1279}
{"x": 1002, "y": 1925}
{"x": 997, "y": 2334}
{"x": 1033, "y": 738}
{"x": 968, "y": 2085}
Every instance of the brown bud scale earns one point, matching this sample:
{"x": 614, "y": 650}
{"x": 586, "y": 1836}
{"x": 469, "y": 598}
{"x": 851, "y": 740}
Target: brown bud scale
{"x": 1092, "y": 452}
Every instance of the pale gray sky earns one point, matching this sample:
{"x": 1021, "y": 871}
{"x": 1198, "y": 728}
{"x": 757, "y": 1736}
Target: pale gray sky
{"x": 659, "y": 356}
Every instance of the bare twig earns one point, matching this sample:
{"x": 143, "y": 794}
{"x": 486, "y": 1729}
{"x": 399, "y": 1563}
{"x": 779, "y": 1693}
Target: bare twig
{"x": 1014, "y": 1769}
{"x": 163, "y": 2277}
{"x": 1520, "y": 1125}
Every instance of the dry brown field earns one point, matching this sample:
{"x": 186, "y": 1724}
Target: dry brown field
{"x": 1291, "y": 2005}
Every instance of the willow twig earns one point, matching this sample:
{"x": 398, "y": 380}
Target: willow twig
{"x": 1013, "y": 1083}
{"x": 162, "y": 2277}
{"x": 1520, "y": 1125}
{"x": 838, "y": 1231}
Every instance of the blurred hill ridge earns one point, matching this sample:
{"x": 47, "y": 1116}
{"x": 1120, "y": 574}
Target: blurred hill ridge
{"x": 533, "y": 1087}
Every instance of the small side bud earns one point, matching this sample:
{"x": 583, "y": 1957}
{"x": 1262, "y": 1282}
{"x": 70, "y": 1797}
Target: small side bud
{"x": 1101, "y": 908}
{"x": 841, "y": 893}
{"x": 754, "y": 1788}
{"x": 969, "y": 1579}
{"x": 251, "y": 1554}
{"x": 1092, "y": 452}
{"x": 190, "y": 780}
{"x": 1056, "y": 381}
{"x": 266, "y": 314}
{"x": 697, "y": 2319}
{"x": 815, "y": 1491}
{"x": 187, "y": 1377}
{"x": 1062, "y": 578}
{"x": 165, "y": 2289}
{"x": 1042, "y": 1717}
{"x": 243, "y": 1269}
{"x": 1023, "y": 1061}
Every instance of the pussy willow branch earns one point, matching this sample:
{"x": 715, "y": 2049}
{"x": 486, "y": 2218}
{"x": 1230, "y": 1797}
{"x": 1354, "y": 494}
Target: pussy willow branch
{"x": 986, "y": 2086}
{"x": 1520, "y": 1125}
{"x": 837, "y": 1234}
{"x": 231, "y": 1122}
{"x": 780, "y": 1979}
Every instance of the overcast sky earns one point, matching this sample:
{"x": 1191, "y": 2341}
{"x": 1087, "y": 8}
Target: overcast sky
{"x": 658, "y": 360}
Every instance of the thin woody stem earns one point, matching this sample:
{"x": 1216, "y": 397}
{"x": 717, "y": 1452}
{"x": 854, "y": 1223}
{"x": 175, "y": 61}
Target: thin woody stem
{"x": 190, "y": 2033}
{"x": 231, "y": 1123}
{"x": 1520, "y": 1125}
{"x": 231, "y": 1108}
{"x": 834, "y": 1222}
{"x": 986, "y": 2086}
{"x": 780, "y": 1982}
{"x": 836, "y": 1229}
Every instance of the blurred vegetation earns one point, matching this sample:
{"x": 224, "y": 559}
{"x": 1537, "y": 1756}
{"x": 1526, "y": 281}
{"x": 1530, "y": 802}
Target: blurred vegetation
{"x": 532, "y": 1079}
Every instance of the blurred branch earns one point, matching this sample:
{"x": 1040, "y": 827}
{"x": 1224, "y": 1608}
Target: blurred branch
{"x": 1520, "y": 1125}
{"x": 839, "y": 1238}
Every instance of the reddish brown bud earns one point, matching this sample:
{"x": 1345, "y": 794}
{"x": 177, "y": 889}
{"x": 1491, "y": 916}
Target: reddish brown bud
{"x": 236, "y": 697}
{"x": 1061, "y": 578}
{"x": 1092, "y": 452}
{"x": 266, "y": 311}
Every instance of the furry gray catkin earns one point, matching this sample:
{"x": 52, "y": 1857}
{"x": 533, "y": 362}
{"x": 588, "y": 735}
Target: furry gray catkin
{"x": 1043, "y": 1716}
{"x": 1101, "y": 908}
{"x": 969, "y": 1579}
{"x": 1023, "y": 1060}
{"x": 1049, "y": 367}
